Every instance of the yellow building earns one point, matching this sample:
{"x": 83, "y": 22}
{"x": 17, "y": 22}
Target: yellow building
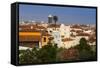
{"x": 45, "y": 38}
{"x": 30, "y": 39}
{"x": 33, "y": 39}
{"x": 33, "y": 36}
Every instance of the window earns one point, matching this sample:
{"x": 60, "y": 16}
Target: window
{"x": 44, "y": 39}
{"x": 36, "y": 44}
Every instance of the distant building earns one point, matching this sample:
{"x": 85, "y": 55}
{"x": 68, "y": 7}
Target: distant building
{"x": 50, "y": 19}
{"x": 65, "y": 31}
{"x": 57, "y": 38}
{"x": 45, "y": 38}
{"x": 30, "y": 39}
{"x": 66, "y": 36}
{"x": 33, "y": 36}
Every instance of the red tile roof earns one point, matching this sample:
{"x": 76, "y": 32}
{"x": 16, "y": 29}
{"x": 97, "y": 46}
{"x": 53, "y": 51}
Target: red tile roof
{"x": 53, "y": 25}
{"x": 76, "y": 26}
{"x": 83, "y": 34}
{"x": 67, "y": 39}
{"x": 30, "y": 27}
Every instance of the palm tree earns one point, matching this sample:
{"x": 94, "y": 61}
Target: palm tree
{"x": 55, "y": 18}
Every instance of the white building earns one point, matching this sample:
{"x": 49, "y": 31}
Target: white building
{"x": 62, "y": 35}
{"x": 65, "y": 31}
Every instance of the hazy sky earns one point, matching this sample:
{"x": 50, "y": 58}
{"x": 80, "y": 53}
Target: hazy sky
{"x": 70, "y": 15}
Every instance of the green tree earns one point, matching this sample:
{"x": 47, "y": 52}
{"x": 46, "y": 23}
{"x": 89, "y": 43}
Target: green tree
{"x": 85, "y": 51}
{"x": 28, "y": 56}
{"x": 25, "y": 57}
{"x": 43, "y": 55}
{"x": 47, "y": 53}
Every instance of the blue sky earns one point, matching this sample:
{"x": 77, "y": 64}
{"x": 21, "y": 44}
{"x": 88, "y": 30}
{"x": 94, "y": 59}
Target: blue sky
{"x": 67, "y": 15}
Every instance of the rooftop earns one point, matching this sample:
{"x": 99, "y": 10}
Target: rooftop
{"x": 54, "y": 25}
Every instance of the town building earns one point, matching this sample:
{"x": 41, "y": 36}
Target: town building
{"x": 66, "y": 36}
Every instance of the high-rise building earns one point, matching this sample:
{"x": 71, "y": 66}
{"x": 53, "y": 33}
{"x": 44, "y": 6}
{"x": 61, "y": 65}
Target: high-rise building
{"x": 50, "y": 19}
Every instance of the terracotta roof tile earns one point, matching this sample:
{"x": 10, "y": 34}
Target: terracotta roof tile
{"x": 53, "y": 25}
{"x": 83, "y": 34}
{"x": 67, "y": 39}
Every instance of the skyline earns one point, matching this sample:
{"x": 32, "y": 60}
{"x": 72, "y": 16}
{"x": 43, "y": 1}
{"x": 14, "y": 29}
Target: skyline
{"x": 66, "y": 15}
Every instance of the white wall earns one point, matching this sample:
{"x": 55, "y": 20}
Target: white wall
{"x": 5, "y": 34}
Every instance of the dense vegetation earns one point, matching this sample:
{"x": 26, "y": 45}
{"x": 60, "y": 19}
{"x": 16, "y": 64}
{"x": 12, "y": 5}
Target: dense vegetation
{"x": 51, "y": 53}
